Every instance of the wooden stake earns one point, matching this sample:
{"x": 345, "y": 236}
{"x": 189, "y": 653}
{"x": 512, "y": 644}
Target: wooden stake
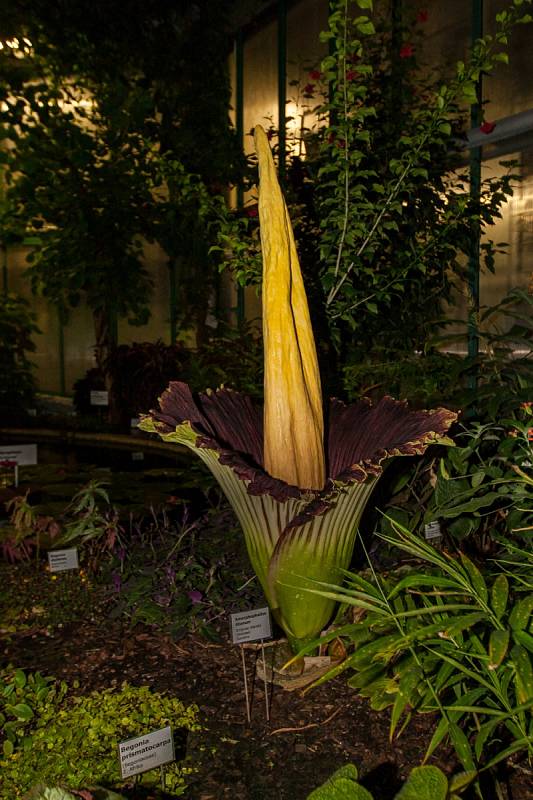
{"x": 246, "y": 695}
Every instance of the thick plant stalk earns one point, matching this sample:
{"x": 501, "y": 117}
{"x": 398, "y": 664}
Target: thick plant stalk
{"x": 293, "y": 415}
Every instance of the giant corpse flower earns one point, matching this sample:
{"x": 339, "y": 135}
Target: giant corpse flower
{"x": 297, "y": 478}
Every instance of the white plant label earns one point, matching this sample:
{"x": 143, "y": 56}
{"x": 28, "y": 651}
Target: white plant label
{"x": 61, "y": 560}
{"x": 146, "y": 752}
{"x": 25, "y": 455}
{"x": 432, "y": 530}
{"x": 251, "y": 626}
{"x": 99, "y": 398}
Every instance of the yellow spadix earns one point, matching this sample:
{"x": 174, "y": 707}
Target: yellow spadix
{"x": 293, "y": 417}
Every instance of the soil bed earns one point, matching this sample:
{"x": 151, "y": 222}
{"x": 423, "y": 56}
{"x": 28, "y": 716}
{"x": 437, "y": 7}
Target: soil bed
{"x": 307, "y": 738}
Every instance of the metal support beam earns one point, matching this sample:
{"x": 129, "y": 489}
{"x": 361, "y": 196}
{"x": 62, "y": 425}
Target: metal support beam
{"x": 5, "y": 280}
{"x": 282, "y": 88}
{"x": 475, "y": 190}
{"x": 61, "y": 349}
{"x": 172, "y": 300}
{"x": 239, "y": 128}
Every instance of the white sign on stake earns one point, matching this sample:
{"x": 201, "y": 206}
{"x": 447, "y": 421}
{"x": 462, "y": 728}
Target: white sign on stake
{"x": 99, "y": 398}
{"x": 25, "y": 455}
{"x": 146, "y": 752}
{"x": 251, "y": 626}
{"x": 61, "y": 560}
{"x": 432, "y": 530}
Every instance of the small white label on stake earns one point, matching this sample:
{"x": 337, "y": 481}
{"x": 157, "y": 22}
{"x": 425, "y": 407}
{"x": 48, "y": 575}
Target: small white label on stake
{"x": 24, "y": 454}
{"x": 251, "y": 626}
{"x": 432, "y": 530}
{"x": 61, "y": 560}
{"x": 99, "y": 398}
{"x": 146, "y": 752}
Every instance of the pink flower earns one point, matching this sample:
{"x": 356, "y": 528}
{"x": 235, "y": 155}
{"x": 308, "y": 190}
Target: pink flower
{"x": 195, "y": 596}
{"x": 406, "y": 50}
{"x": 252, "y": 211}
{"x": 423, "y": 15}
{"x": 315, "y": 75}
{"x": 487, "y": 127}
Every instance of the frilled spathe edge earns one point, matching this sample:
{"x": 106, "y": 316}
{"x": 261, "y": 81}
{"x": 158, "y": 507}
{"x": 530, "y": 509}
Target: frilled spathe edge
{"x": 360, "y": 437}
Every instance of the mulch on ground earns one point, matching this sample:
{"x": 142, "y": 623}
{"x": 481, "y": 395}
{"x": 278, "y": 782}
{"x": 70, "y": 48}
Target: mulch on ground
{"x": 308, "y": 735}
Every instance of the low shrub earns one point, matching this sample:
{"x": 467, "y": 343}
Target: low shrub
{"x": 72, "y": 740}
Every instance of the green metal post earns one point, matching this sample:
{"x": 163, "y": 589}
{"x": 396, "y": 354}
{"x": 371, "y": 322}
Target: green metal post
{"x": 282, "y": 88}
{"x": 172, "y": 299}
{"x": 61, "y": 348}
{"x": 475, "y": 191}
{"x": 239, "y": 127}
{"x": 5, "y": 285}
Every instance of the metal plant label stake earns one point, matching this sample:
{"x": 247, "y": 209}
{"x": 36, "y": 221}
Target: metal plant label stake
{"x": 252, "y": 626}
{"x": 246, "y": 694}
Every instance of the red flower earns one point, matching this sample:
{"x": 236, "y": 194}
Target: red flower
{"x": 252, "y": 211}
{"x": 407, "y": 50}
{"x": 352, "y": 74}
{"x": 315, "y": 74}
{"x": 487, "y": 127}
{"x": 309, "y": 88}
{"x": 423, "y": 15}
{"x": 530, "y": 434}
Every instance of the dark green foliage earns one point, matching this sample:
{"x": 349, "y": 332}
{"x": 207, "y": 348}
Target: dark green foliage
{"x": 121, "y": 136}
{"x": 396, "y": 217}
{"x": 424, "y": 783}
{"x": 178, "y": 571}
{"x": 233, "y": 357}
{"x": 17, "y": 326}
{"x": 478, "y": 491}
{"x": 140, "y": 372}
{"x": 441, "y": 636}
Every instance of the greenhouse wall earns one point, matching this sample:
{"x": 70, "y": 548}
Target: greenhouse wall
{"x": 277, "y": 51}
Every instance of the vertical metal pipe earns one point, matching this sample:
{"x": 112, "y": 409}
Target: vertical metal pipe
{"x": 61, "y": 350}
{"x": 172, "y": 300}
{"x": 5, "y": 282}
{"x": 239, "y": 128}
{"x": 282, "y": 88}
{"x": 475, "y": 191}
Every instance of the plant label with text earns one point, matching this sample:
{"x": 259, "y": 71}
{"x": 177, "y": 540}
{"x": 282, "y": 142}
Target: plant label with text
{"x": 22, "y": 454}
{"x": 251, "y": 626}
{"x": 61, "y": 560}
{"x": 146, "y": 752}
{"x": 432, "y": 530}
{"x": 99, "y": 398}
